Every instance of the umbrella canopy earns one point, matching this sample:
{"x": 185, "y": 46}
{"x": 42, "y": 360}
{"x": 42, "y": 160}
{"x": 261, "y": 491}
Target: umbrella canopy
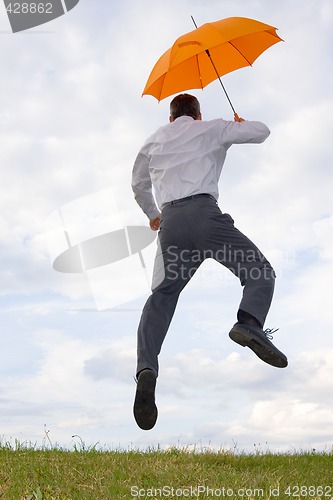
{"x": 200, "y": 56}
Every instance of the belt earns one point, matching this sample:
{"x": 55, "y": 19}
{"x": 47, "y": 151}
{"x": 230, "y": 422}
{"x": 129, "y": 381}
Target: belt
{"x": 187, "y": 198}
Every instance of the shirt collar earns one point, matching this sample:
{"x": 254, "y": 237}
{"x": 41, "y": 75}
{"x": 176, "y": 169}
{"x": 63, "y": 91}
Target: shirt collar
{"x": 184, "y": 119}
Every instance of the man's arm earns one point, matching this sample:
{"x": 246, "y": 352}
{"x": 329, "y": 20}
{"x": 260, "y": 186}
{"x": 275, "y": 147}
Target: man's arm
{"x": 142, "y": 188}
{"x": 244, "y": 131}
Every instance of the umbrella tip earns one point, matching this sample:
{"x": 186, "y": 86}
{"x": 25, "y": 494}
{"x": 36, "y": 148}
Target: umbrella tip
{"x": 195, "y": 24}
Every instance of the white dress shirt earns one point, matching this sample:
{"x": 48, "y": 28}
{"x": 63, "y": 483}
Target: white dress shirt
{"x": 186, "y": 157}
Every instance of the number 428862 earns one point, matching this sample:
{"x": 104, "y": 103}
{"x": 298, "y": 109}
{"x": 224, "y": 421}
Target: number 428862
{"x": 29, "y": 8}
{"x": 309, "y": 491}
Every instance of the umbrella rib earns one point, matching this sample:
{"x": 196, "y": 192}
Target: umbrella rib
{"x": 197, "y": 61}
{"x": 234, "y": 46}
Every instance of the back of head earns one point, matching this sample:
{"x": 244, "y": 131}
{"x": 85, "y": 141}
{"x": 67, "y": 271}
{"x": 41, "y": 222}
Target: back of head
{"x": 184, "y": 105}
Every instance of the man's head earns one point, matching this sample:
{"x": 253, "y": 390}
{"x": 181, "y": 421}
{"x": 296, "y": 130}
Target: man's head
{"x": 185, "y": 105}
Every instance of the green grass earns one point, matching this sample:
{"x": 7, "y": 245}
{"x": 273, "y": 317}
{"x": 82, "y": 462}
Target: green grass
{"x": 28, "y": 473}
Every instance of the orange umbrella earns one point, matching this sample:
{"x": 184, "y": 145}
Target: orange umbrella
{"x": 200, "y": 56}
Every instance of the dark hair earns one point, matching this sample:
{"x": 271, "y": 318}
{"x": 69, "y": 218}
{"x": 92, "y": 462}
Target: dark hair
{"x": 184, "y": 105}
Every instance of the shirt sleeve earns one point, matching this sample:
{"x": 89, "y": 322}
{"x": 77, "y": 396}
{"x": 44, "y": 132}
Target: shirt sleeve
{"x": 142, "y": 186}
{"x": 245, "y": 132}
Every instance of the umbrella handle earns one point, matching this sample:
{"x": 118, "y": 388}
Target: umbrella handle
{"x": 237, "y": 118}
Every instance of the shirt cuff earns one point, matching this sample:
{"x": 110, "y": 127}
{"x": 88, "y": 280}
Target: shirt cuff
{"x": 154, "y": 214}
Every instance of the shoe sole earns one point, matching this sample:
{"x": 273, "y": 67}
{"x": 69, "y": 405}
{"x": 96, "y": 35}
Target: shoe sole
{"x": 265, "y": 352}
{"x": 145, "y": 410}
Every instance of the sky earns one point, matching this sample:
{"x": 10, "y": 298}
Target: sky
{"x": 72, "y": 122}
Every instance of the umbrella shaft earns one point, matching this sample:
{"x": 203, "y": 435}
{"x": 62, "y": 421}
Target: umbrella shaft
{"x": 218, "y": 76}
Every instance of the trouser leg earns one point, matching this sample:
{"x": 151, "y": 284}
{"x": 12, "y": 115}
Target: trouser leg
{"x": 160, "y": 306}
{"x": 235, "y": 251}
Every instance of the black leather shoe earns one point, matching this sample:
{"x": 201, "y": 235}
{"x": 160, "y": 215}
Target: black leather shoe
{"x": 257, "y": 339}
{"x": 145, "y": 410}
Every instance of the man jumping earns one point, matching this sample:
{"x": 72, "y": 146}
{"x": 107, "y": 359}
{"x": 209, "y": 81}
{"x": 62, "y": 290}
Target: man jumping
{"x": 183, "y": 161}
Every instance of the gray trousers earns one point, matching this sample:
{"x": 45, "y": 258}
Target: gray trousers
{"x": 191, "y": 231}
